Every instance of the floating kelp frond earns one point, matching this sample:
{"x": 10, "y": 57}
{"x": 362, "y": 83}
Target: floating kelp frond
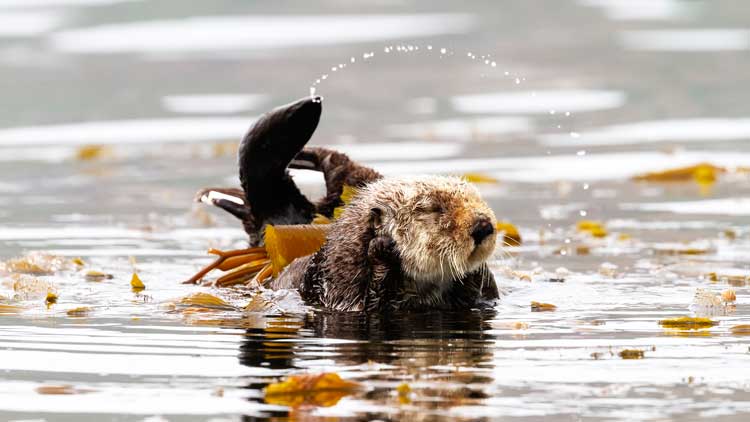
{"x": 98, "y": 276}
{"x": 704, "y": 173}
{"x": 80, "y": 311}
{"x": 511, "y": 237}
{"x": 741, "y": 330}
{"x": 136, "y": 284}
{"x": 478, "y": 178}
{"x": 286, "y": 243}
{"x": 631, "y": 354}
{"x": 323, "y": 390}
{"x": 51, "y": 299}
{"x": 594, "y": 228}
{"x": 205, "y": 300}
{"x": 688, "y": 323}
{"x": 542, "y": 307}
{"x": 35, "y": 263}
{"x": 61, "y": 390}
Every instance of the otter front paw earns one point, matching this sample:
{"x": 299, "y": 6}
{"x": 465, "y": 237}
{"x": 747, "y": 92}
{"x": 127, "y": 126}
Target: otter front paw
{"x": 382, "y": 249}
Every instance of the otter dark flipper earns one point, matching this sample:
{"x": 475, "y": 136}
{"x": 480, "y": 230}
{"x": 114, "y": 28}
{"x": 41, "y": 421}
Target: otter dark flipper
{"x": 265, "y": 152}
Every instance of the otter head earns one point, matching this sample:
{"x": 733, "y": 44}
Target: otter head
{"x": 441, "y": 226}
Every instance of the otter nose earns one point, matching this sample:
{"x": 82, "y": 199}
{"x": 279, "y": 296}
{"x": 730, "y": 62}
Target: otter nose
{"x": 482, "y": 229}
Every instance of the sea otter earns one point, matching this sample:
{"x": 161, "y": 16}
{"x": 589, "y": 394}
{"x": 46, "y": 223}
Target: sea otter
{"x": 400, "y": 244}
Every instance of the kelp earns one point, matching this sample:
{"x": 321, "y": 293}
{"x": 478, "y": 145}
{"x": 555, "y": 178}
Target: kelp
{"x": 594, "y": 228}
{"x": 283, "y": 244}
{"x": 323, "y": 390}
{"x": 542, "y": 307}
{"x": 702, "y": 173}
{"x": 687, "y": 323}
{"x": 511, "y": 236}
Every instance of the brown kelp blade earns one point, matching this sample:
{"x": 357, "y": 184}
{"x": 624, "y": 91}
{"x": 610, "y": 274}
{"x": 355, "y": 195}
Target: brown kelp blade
{"x": 222, "y": 257}
{"x": 242, "y": 273}
{"x": 287, "y": 243}
{"x": 283, "y": 244}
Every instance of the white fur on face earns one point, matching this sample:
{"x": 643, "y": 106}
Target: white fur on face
{"x": 421, "y": 215}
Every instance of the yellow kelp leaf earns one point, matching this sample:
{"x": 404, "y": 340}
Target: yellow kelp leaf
{"x": 479, "y": 178}
{"x": 704, "y": 173}
{"x": 322, "y": 390}
{"x": 92, "y": 152}
{"x": 347, "y": 193}
{"x": 404, "y": 390}
{"x": 78, "y": 262}
{"x": 510, "y": 233}
{"x": 79, "y": 312}
{"x": 542, "y": 307}
{"x": 631, "y": 354}
{"x": 742, "y": 330}
{"x": 98, "y": 276}
{"x": 321, "y": 219}
{"x": 61, "y": 390}
{"x": 51, "y": 299}
{"x": 286, "y": 243}
{"x": 728, "y": 295}
{"x": 594, "y": 228}
{"x": 10, "y": 309}
{"x": 687, "y": 323}
{"x": 136, "y": 283}
{"x": 226, "y": 148}
{"x": 36, "y": 263}
{"x": 204, "y": 300}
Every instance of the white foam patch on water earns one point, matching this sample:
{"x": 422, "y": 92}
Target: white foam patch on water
{"x": 591, "y": 167}
{"x": 118, "y": 132}
{"x": 487, "y": 128}
{"x": 255, "y": 32}
{"x": 19, "y": 4}
{"x": 641, "y": 9}
{"x": 686, "y": 39}
{"x": 212, "y": 103}
{"x": 27, "y": 24}
{"x": 110, "y": 233}
{"x": 539, "y": 102}
{"x": 678, "y": 130}
{"x": 725, "y": 206}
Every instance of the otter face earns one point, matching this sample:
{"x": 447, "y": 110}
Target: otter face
{"x": 442, "y": 227}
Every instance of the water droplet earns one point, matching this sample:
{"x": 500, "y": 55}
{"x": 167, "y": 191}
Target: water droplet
{"x": 443, "y": 51}
{"x": 429, "y": 47}
{"x": 552, "y": 112}
{"x": 575, "y": 135}
{"x": 567, "y": 113}
{"x": 333, "y": 69}
{"x": 585, "y": 186}
{"x": 581, "y": 153}
{"x": 493, "y": 64}
{"x": 518, "y": 81}
{"x": 507, "y": 73}
{"x": 469, "y": 54}
{"x": 583, "y": 213}
{"x": 352, "y": 60}
{"x": 324, "y": 77}
{"x": 312, "y": 91}
{"x": 486, "y": 62}
{"x": 341, "y": 65}
{"x": 317, "y": 81}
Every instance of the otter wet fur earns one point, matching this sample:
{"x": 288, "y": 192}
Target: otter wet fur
{"x": 400, "y": 245}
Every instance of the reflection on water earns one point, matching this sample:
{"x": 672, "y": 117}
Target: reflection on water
{"x": 116, "y": 111}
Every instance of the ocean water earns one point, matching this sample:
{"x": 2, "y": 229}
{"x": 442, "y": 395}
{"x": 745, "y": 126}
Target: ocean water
{"x": 114, "y": 112}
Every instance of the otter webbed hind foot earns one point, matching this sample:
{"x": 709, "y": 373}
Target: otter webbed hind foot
{"x": 264, "y": 155}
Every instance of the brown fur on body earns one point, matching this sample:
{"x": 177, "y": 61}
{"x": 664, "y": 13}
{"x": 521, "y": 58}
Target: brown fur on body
{"x": 401, "y": 245}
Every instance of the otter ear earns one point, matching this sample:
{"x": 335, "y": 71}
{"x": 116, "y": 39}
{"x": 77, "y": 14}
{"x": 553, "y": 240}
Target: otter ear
{"x": 376, "y": 218}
